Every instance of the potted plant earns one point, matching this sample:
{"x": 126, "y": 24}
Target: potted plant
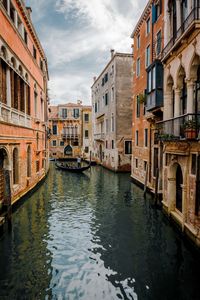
{"x": 190, "y": 128}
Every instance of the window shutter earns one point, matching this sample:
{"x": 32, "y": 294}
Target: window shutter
{"x": 153, "y": 14}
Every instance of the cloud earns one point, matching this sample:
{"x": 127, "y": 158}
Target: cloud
{"x": 77, "y": 36}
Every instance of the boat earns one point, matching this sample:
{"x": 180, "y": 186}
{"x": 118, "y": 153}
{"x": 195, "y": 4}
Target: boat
{"x": 71, "y": 168}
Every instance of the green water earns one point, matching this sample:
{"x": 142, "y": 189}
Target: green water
{"x": 93, "y": 236}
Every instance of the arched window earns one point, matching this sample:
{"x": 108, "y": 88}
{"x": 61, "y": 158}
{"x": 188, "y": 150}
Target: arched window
{"x": 68, "y": 150}
{"x": 184, "y": 10}
{"x": 15, "y": 166}
{"x": 29, "y": 161}
{"x": 173, "y": 18}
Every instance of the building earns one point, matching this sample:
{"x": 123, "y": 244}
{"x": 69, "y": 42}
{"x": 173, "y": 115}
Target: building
{"x": 71, "y": 130}
{"x": 147, "y": 95}
{"x": 179, "y": 131}
{"x": 112, "y": 113}
{"x": 23, "y": 103}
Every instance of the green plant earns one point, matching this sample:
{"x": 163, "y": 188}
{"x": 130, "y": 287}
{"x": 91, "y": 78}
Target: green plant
{"x": 142, "y": 98}
{"x": 190, "y": 124}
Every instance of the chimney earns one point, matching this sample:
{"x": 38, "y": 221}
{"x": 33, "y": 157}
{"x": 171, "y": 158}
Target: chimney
{"x": 79, "y": 102}
{"x": 112, "y": 52}
{"x": 29, "y": 10}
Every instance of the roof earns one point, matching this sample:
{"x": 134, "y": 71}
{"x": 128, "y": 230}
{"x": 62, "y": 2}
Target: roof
{"x": 111, "y": 60}
{"x": 143, "y": 15}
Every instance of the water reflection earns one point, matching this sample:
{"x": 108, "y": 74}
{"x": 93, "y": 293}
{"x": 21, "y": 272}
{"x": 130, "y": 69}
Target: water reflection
{"x": 94, "y": 237}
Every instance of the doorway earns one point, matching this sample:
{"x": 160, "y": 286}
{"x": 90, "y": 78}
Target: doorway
{"x": 179, "y": 192}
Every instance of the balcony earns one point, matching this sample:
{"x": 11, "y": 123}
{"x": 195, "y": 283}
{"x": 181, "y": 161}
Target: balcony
{"x": 185, "y": 127}
{"x": 99, "y": 136}
{"x": 188, "y": 26}
{"x": 13, "y": 116}
{"x": 66, "y": 136}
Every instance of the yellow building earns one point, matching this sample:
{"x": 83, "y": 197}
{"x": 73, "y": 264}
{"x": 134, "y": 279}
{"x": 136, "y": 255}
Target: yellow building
{"x": 71, "y": 130}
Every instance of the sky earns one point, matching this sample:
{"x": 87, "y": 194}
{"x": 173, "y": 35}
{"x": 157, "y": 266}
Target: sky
{"x": 77, "y": 36}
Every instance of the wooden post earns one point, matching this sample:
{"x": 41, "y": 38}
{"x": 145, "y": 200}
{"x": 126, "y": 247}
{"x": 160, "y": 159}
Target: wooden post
{"x": 146, "y": 178}
{"x": 156, "y": 186}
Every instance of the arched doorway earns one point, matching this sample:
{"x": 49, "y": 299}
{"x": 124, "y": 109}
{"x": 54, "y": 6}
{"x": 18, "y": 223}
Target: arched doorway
{"x": 68, "y": 151}
{"x": 4, "y": 175}
{"x": 179, "y": 182}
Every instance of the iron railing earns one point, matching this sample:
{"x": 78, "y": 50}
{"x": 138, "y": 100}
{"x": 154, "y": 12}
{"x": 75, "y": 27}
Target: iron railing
{"x": 185, "y": 127}
{"x": 193, "y": 16}
{"x": 99, "y": 136}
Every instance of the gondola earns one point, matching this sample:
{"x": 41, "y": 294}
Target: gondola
{"x": 72, "y": 169}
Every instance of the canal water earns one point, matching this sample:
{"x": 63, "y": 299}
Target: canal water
{"x": 93, "y": 236}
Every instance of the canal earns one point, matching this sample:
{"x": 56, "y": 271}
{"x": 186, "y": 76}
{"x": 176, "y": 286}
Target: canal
{"x": 93, "y": 236}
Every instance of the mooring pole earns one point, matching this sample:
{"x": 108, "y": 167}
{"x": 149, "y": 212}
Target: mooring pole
{"x": 156, "y": 186}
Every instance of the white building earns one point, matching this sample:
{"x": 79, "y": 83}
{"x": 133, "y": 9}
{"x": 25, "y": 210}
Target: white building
{"x": 112, "y": 113}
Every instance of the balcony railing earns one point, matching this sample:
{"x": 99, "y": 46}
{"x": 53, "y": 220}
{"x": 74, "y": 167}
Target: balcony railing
{"x": 99, "y": 136}
{"x": 67, "y": 136}
{"x": 185, "y": 127}
{"x": 185, "y": 26}
{"x": 14, "y": 116}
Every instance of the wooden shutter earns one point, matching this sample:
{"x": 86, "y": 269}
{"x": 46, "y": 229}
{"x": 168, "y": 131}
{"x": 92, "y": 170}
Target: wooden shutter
{"x": 15, "y": 91}
{"x": 12, "y": 79}
{"x": 4, "y": 82}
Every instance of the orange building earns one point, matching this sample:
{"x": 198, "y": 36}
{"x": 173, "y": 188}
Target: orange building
{"x": 147, "y": 92}
{"x": 23, "y": 103}
{"x": 71, "y": 130}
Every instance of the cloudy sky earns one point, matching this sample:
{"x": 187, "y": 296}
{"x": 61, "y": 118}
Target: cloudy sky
{"x": 77, "y": 36}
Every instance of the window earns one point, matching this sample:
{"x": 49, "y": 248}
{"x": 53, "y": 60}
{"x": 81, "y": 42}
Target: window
{"x": 29, "y": 161}
{"x": 136, "y": 138}
{"x": 86, "y": 134}
{"x": 128, "y": 147}
{"x": 37, "y": 166}
{"x": 76, "y": 113}
{"x": 95, "y": 107}
{"x": 86, "y": 117}
{"x": 41, "y": 64}
{"x": 149, "y": 81}
{"x": 148, "y": 26}
{"x": 54, "y": 143}
{"x": 138, "y": 106}
{"x": 146, "y": 137}
{"x": 35, "y": 103}
{"x": 112, "y": 123}
{"x": 136, "y": 163}
{"x": 113, "y": 144}
{"x": 62, "y": 143}
{"x": 138, "y": 41}
{"x": 147, "y": 56}
{"x": 15, "y": 166}
{"x": 155, "y": 161}
{"x": 138, "y": 67}
{"x": 26, "y": 37}
{"x": 102, "y": 83}
{"x": 86, "y": 149}
{"x": 12, "y": 12}
{"x": 55, "y": 129}
{"x": 107, "y": 129}
{"x": 64, "y": 113}
{"x": 106, "y": 99}
{"x": 5, "y": 4}
{"x": 159, "y": 43}
{"x": 154, "y": 78}
{"x": 106, "y": 144}
{"x": 34, "y": 52}
{"x": 113, "y": 94}
{"x": 145, "y": 165}
{"x": 106, "y": 77}
{"x": 194, "y": 164}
